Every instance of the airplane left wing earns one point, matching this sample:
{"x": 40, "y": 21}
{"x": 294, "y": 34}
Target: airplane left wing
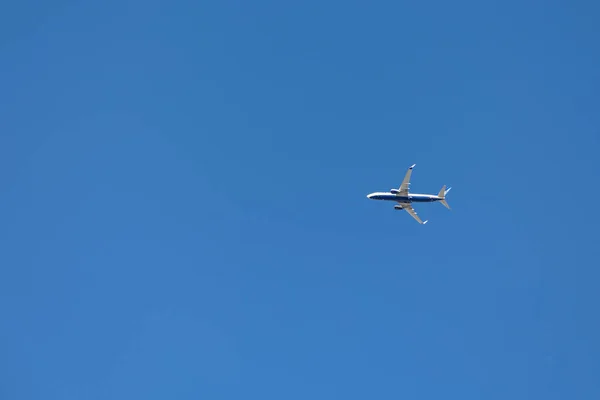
{"x": 403, "y": 191}
{"x": 409, "y": 209}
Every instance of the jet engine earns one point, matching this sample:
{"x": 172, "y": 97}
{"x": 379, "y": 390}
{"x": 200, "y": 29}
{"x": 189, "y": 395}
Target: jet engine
{"x": 394, "y": 191}
{"x": 397, "y": 207}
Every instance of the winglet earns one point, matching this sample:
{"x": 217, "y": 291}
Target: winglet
{"x": 424, "y": 222}
{"x": 412, "y": 166}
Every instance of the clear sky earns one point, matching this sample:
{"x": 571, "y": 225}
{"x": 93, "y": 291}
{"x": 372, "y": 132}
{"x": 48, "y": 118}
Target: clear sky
{"x": 183, "y": 208}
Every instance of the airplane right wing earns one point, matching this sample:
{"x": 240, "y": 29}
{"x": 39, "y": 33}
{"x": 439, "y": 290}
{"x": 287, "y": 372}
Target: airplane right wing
{"x": 403, "y": 191}
{"x": 409, "y": 209}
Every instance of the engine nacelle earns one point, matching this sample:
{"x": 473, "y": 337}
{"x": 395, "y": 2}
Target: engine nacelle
{"x": 398, "y": 207}
{"x": 394, "y": 191}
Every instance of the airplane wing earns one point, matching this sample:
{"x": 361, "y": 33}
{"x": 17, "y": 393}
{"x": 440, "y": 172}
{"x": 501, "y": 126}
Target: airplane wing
{"x": 403, "y": 191}
{"x": 409, "y": 209}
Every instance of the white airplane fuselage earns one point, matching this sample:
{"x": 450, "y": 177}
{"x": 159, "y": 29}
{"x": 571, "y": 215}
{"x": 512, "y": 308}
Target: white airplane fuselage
{"x": 404, "y": 198}
{"x": 410, "y": 198}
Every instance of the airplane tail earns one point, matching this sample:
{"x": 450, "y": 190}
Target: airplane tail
{"x": 442, "y": 195}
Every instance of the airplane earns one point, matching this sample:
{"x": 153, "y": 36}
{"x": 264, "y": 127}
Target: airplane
{"x": 404, "y": 198}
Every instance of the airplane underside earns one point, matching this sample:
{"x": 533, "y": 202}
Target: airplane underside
{"x": 404, "y": 199}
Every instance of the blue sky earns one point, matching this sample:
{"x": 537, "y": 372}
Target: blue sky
{"x": 183, "y": 210}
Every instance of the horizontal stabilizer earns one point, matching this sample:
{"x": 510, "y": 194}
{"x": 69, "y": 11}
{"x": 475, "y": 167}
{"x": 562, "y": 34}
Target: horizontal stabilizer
{"x": 442, "y": 192}
{"x": 442, "y": 196}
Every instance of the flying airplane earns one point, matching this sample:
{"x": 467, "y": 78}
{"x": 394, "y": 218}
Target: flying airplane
{"x": 404, "y": 198}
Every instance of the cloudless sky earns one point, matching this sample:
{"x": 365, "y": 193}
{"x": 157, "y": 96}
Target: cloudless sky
{"x": 183, "y": 208}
